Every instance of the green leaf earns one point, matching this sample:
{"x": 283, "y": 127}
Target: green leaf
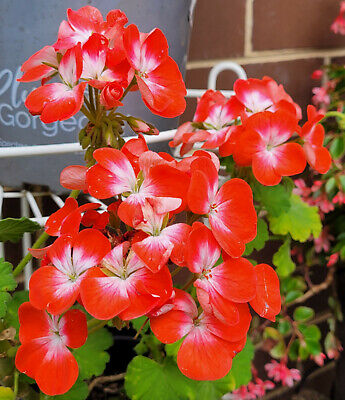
{"x": 13, "y": 229}
{"x": 11, "y": 317}
{"x": 294, "y": 349}
{"x": 303, "y": 314}
{"x": 173, "y": 348}
{"x": 310, "y": 332}
{"x": 92, "y": 357}
{"x": 147, "y": 380}
{"x": 276, "y": 199}
{"x": 272, "y": 333}
{"x": 292, "y": 296}
{"x": 79, "y": 391}
{"x": 337, "y": 147}
{"x": 278, "y": 351}
{"x": 137, "y": 323}
{"x": 284, "y": 327}
{"x": 7, "y": 281}
{"x": 301, "y": 221}
{"x": 241, "y": 369}
{"x": 5, "y": 298}
{"x": 261, "y": 238}
{"x": 282, "y": 260}
{"x": 314, "y": 347}
{"x": 6, "y": 393}
{"x": 330, "y": 184}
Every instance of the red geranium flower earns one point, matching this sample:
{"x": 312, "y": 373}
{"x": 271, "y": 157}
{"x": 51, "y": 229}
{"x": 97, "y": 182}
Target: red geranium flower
{"x": 55, "y": 287}
{"x": 43, "y": 354}
{"x": 158, "y": 77}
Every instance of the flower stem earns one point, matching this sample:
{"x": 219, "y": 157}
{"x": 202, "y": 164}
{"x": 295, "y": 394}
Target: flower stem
{"x": 141, "y": 328}
{"x": 39, "y": 242}
{"x": 336, "y": 114}
{"x": 15, "y": 384}
{"x": 132, "y": 83}
{"x": 95, "y": 324}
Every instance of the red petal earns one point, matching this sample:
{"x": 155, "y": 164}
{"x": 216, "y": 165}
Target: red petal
{"x": 73, "y": 177}
{"x": 171, "y": 326}
{"x": 203, "y": 356}
{"x": 34, "y": 323}
{"x": 54, "y": 222}
{"x": 103, "y": 296}
{"x": 235, "y": 279}
{"x": 73, "y": 328}
{"x": 203, "y": 250}
{"x": 53, "y": 290}
{"x": 267, "y": 302}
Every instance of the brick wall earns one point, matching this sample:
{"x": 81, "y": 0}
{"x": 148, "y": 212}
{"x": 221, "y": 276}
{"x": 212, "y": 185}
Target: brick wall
{"x": 285, "y": 39}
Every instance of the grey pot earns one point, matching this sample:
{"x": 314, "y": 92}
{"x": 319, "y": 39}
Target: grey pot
{"x": 25, "y": 27}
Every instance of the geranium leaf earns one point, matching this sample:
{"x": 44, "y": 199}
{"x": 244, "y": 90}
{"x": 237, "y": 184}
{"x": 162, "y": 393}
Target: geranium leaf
{"x": 300, "y": 221}
{"x": 92, "y": 357}
{"x": 13, "y": 229}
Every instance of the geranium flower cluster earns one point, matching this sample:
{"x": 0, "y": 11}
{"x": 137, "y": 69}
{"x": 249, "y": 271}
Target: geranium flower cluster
{"x": 108, "y": 57}
{"x": 119, "y": 267}
{"x": 258, "y": 126}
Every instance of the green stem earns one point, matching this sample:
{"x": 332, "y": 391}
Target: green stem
{"x": 141, "y": 328}
{"x": 95, "y": 327}
{"x": 15, "y": 384}
{"x": 336, "y": 114}
{"x": 39, "y": 242}
{"x": 176, "y": 271}
{"x": 74, "y": 193}
{"x": 91, "y": 99}
{"x": 132, "y": 83}
{"x": 87, "y": 114}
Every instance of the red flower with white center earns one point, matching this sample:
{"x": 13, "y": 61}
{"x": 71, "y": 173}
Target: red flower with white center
{"x": 41, "y": 65}
{"x": 209, "y": 345}
{"x": 218, "y": 121}
{"x": 56, "y": 287}
{"x": 162, "y": 241}
{"x": 43, "y": 354}
{"x": 313, "y": 135}
{"x": 114, "y": 175}
{"x": 230, "y": 209}
{"x": 267, "y": 300}
{"x": 73, "y": 177}
{"x": 219, "y": 287}
{"x": 122, "y": 285}
{"x": 259, "y": 95}
{"x": 60, "y": 101}
{"x": 261, "y": 144}
{"x": 97, "y": 74}
{"x": 158, "y": 76}
{"x": 66, "y": 221}
{"x": 87, "y": 20}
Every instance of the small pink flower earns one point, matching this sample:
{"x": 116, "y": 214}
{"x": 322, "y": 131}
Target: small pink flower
{"x": 241, "y": 394}
{"x": 333, "y": 259}
{"x": 301, "y": 188}
{"x": 320, "y": 96}
{"x": 317, "y": 74}
{"x": 324, "y": 204}
{"x": 279, "y": 372}
{"x": 319, "y": 359}
{"x": 338, "y": 25}
{"x": 260, "y": 387}
{"x": 323, "y": 241}
{"x": 339, "y": 198}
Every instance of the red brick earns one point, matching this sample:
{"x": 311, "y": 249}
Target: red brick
{"x": 282, "y": 24}
{"x": 218, "y": 29}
